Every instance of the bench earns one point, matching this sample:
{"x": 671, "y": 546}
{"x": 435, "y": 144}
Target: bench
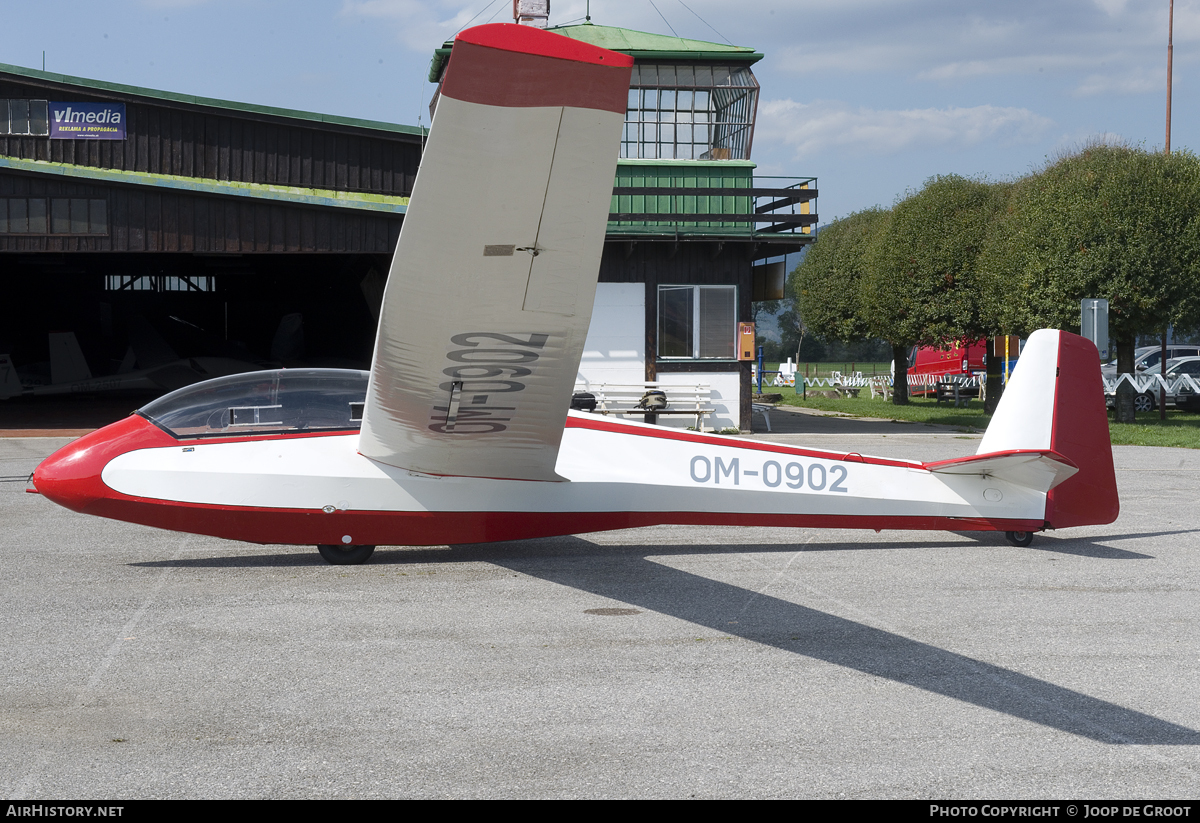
{"x": 880, "y": 386}
{"x": 623, "y": 398}
{"x": 956, "y": 392}
{"x": 847, "y": 385}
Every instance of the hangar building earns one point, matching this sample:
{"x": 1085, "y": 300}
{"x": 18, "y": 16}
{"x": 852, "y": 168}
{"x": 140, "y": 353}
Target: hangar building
{"x": 154, "y": 225}
{"x": 205, "y": 220}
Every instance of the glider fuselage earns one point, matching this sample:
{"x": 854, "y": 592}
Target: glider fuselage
{"x": 316, "y": 488}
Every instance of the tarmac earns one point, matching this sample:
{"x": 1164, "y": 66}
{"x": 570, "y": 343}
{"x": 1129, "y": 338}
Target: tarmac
{"x": 668, "y": 662}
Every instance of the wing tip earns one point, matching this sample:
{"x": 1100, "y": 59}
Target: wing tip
{"x": 535, "y": 41}
{"x": 503, "y": 64}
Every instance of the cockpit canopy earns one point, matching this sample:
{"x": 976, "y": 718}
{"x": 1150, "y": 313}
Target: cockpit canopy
{"x": 276, "y": 402}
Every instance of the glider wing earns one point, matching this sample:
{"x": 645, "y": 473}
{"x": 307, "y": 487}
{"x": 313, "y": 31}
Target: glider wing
{"x": 490, "y": 292}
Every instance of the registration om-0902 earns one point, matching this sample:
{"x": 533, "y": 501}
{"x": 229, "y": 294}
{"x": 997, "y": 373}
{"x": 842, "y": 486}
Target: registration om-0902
{"x": 770, "y": 473}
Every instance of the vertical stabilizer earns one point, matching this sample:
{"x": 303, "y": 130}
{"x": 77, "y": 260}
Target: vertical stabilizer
{"x": 1081, "y": 435}
{"x": 1025, "y": 417}
{"x": 1054, "y": 401}
{"x": 67, "y": 363}
{"x": 10, "y": 382}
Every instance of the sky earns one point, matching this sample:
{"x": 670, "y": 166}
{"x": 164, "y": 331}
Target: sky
{"x": 872, "y": 97}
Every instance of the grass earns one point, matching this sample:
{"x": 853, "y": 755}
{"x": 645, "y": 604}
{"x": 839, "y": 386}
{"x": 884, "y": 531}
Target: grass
{"x": 1180, "y": 430}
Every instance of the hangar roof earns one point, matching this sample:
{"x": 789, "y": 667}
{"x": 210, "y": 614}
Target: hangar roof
{"x": 295, "y": 195}
{"x": 643, "y": 45}
{"x": 121, "y": 90}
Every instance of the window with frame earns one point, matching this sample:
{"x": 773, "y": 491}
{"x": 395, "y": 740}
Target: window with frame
{"x": 160, "y": 282}
{"x": 690, "y": 112}
{"x": 697, "y": 322}
{"x": 24, "y": 117}
{"x": 53, "y": 215}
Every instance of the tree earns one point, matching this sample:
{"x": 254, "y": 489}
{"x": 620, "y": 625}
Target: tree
{"x": 764, "y": 307}
{"x": 795, "y": 338}
{"x": 826, "y": 284}
{"x": 1108, "y": 221}
{"x": 922, "y": 283}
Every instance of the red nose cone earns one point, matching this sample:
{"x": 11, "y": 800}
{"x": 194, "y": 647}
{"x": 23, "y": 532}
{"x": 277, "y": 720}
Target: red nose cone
{"x": 71, "y": 477}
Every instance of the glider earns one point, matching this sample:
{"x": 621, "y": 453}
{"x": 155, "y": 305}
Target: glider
{"x": 461, "y": 433}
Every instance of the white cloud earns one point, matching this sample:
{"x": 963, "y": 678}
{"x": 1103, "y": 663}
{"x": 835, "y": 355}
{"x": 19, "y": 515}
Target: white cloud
{"x": 1111, "y": 7}
{"x": 1008, "y": 65}
{"x": 423, "y": 26}
{"x": 925, "y": 40}
{"x": 1137, "y": 81}
{"x": 809, "y": 129}
{"x": 1187, "y": 21}
{"x": 173, "y": 4}
{"x": 854, "y": 58}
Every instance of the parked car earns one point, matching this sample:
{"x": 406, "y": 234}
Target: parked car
{"x": 1185, "y": 399}
{"x": 1146, "y": 358}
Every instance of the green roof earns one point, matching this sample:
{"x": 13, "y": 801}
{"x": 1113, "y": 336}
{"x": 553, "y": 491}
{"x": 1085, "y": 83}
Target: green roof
{"x": 104, "y": 87}
{"x": 294, "y": 195}
{"x": 640, "y": 45}
{"x": 643, "y": 45}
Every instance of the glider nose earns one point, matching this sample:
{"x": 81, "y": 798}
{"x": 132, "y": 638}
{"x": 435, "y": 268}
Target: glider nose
{"x": 71, "y": 477}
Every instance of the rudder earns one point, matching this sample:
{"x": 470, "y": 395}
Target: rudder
{"x": 1055, "y": 401}
{"x": 1081, "y": 434}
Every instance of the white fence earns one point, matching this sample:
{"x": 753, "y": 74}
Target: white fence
{"x": 1142, "y": 382}
{"x": 1151, "y": 382}
{"x": 915, "y": 381}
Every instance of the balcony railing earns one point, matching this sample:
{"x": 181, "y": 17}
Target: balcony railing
{"x": 749, "y": 206}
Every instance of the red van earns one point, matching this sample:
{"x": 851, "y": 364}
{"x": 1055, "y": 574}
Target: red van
{"x": 960, "y": 358}
{"x": 929, "y": 365}
{"x": 932, "y": 365}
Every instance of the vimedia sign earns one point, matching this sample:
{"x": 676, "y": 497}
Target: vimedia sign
{"x": 87, "y": 121}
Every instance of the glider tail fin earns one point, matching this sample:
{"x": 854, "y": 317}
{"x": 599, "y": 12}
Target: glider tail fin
{"x": 1054, "y": 401}
{"x": 10, "y": 383}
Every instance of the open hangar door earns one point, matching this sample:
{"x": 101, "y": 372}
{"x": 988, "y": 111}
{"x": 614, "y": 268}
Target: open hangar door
{"x": 67, "y": 322}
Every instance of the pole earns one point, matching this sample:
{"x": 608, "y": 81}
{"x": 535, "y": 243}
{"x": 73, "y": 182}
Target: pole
{"x": 1162, "y": 366}
{"x": 1170, "y": 49}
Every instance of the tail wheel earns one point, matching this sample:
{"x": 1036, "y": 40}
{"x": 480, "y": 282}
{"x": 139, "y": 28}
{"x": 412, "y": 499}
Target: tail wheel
{"x": 345, "y": 555}
{"x": 1021, "y": 539}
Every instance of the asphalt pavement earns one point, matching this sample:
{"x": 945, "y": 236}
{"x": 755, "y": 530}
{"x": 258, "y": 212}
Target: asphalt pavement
{"x": 660, "y": 662}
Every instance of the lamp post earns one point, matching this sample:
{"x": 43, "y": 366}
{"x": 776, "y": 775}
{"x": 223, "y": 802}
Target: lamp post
{"x": 1170, "y": 48}
{"x": 1162, "y": 357}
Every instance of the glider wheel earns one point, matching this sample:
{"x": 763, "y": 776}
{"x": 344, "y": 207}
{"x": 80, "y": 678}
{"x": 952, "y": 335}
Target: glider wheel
{"x": 345, "y": 555}
{"x": 1021, "y": 539}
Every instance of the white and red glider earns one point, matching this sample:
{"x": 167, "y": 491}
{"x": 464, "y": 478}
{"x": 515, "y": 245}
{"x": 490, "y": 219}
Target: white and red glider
{"x": 461, "y": 433}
